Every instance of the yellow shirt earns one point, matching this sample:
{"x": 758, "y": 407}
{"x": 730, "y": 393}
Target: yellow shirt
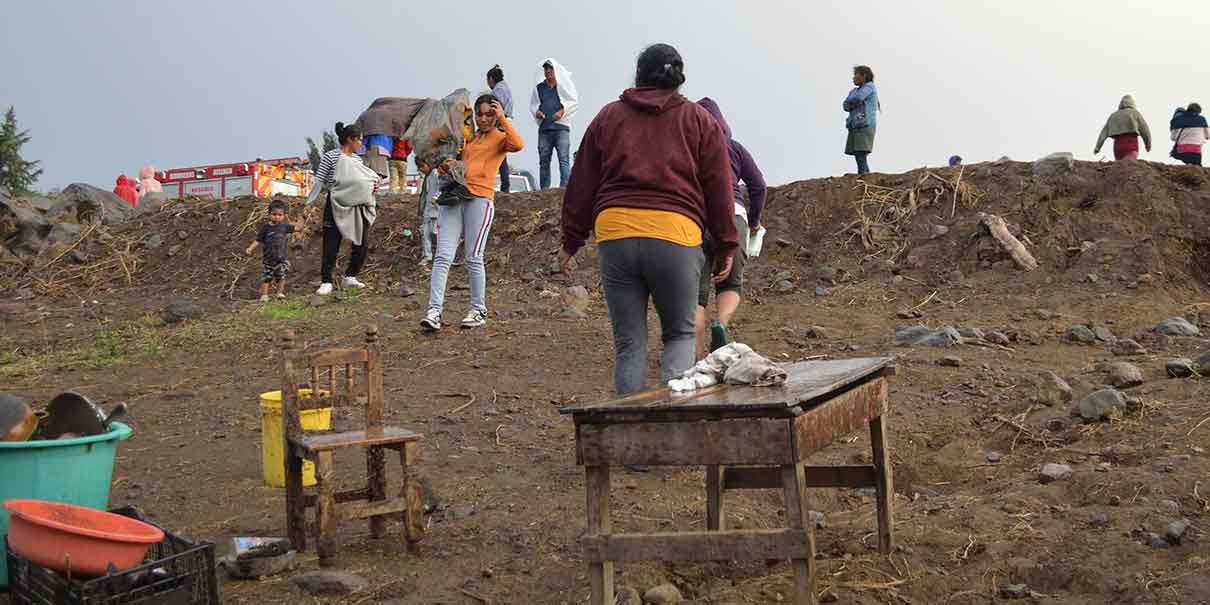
{"x": 621, "y": 223}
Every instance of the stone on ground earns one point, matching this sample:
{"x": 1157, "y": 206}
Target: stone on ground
{"x": 1052, "y": 472}
{"x": 1053, "y": 164}
{"x": 1052, "y": 390}
{"x": 320, "y": 582}
{"x": 922, "y": 335}
{"x": 182, "y": 310}
{"x": 662, "y": 594}
{"x": 1176, "y": 326}
{"x": 1102, "y": 404}
{"x": 1179, "y": 368}
{"x": 1124, "y": 375}
{"x": 1081, "y": 334}
{"x": 1127, "y": 347}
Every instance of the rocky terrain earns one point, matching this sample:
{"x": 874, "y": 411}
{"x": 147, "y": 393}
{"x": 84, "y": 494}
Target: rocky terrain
{"x": 1049, "y": 427}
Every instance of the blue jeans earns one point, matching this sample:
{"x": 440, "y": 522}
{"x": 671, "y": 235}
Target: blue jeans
{"x": 472, "y": 223}
{"x": 554, "y": 140}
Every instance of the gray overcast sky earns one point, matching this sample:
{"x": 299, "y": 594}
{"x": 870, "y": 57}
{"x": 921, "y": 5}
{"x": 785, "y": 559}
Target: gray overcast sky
{"x": 106, "y": 86}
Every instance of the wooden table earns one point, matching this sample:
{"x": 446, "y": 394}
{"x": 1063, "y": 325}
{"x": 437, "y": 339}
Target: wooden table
{"x": 747, "y": 438}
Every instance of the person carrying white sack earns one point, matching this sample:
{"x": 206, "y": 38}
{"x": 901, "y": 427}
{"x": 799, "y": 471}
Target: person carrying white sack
{"x": 552, "y": 103}
{"x": 349, "y": 208}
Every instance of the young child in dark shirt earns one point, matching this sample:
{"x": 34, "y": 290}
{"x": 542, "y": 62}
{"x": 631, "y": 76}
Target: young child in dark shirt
{"x": 273, "y": 239}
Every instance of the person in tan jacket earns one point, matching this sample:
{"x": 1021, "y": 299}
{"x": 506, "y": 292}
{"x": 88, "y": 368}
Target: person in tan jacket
{"x": 1125, "y": 126}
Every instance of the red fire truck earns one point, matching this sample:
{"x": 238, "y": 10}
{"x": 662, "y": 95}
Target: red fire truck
{"x": 260, "y": 178}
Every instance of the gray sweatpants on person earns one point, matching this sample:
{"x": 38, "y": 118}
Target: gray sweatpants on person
{"x": 632, "y": 271}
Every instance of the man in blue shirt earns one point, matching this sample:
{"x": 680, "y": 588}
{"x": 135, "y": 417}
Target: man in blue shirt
{"x": 553, "y": 102}
{"x": 500, "y": 90}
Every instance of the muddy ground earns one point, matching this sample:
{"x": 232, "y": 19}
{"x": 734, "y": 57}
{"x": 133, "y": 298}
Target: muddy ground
{"x": 969, "y": 522}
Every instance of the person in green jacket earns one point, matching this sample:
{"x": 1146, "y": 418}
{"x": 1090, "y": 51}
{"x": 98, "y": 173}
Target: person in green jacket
{"x": 1125, "y": 126}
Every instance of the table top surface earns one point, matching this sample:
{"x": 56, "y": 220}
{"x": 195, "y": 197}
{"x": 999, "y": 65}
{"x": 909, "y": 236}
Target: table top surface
{"x": 806, "y": 381}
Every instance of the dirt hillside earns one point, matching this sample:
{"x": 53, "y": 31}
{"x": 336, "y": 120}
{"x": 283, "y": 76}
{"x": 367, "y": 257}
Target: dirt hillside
{"x": 1120, "y": 248}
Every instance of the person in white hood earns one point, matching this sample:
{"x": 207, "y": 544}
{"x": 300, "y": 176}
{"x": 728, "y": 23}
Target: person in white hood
{"x": 553, "y": 103}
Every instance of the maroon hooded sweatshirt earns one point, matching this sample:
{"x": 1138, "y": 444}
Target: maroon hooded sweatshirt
{"x": 653, "y": 149}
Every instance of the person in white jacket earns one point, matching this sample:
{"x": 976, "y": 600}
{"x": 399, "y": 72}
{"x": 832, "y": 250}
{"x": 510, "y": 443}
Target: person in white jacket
{"x": 553, "y": 102}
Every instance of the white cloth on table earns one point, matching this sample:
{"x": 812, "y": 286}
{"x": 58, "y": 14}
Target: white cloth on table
{"x": 735, "y": 363}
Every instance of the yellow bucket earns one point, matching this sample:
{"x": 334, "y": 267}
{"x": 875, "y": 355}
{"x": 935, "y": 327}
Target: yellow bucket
{"x": 272, "y": 458}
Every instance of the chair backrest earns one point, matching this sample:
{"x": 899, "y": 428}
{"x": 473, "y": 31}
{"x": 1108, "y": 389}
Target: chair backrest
{"x": 331, "y": 364}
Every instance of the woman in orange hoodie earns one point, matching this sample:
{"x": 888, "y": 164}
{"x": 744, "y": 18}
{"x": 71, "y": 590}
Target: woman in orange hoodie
{"x": 471, "y": 220}
{"x": 125, "y": 190}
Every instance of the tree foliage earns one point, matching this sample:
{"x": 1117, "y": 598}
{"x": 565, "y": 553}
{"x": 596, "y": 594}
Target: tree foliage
{"x": 16, "y": 174}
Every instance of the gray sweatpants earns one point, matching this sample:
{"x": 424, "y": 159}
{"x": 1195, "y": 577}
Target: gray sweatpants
{"x": 632, "y": 271}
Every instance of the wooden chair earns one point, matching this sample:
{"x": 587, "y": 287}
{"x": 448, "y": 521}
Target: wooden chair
{"x": 330, "y": 505}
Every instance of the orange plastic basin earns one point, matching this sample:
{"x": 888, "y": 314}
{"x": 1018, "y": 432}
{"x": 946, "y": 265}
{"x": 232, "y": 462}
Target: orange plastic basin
{"x": 76, "y": 540}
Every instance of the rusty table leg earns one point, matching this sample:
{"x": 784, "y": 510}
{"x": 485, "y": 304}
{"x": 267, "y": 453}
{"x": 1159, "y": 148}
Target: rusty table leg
{"x": 794, "y": 487}
{"x": 714, "y": 498}
{"x": 884, "y": 484}
{"x": 600, "y": 575}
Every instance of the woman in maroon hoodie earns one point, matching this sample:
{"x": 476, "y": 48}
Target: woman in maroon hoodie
{"x": 653, "y": 171}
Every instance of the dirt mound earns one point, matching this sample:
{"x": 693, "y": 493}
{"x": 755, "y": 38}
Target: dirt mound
{"x": 851, "y": 267}
{"x": 1123, "y": 221}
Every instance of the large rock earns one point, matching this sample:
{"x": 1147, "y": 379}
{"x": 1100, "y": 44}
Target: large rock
{"x": 662, "y": 595}
{"x": 87, "y": 202}
{"x": 64, "y": 233}
{"x": 1052, "y": 472}
{"x": 1052, "y": 390}
{"x": 22, "y": 229}
{"x": 1201, "y": 363}
{"x": 1128, "y": 347}
{"x": 1102, "y": 404}
{"x": 1123, "y": 375}
{"x": 922, "y": 335}
{"x": 1081, "y": 334}
{"x": 1179, "y": 368}
{"x": 1176, "y": 326}
{"x": 182, "y": 310}
{"x": 1053, "y": 164}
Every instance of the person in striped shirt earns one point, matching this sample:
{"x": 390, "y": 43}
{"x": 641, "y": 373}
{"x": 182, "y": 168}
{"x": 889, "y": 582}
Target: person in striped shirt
{"x": 325, "y": 179}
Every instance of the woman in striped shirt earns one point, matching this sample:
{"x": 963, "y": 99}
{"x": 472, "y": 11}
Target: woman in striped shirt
{"x": 325, "y": 180}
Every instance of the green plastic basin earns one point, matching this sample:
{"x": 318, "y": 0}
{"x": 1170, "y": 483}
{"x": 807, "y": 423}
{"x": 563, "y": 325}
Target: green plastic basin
{"x": 75, "y": 471}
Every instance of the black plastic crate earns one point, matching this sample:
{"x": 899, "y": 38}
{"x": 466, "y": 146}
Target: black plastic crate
{"x": 176, "y": 571}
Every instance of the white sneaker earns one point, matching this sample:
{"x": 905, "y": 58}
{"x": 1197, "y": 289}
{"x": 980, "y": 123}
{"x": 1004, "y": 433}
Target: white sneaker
{"x": 353, "y": 282}
{"x": 432, "y": 320}
{"x": 474, "y": 318}
{"x": 324, "y": 289}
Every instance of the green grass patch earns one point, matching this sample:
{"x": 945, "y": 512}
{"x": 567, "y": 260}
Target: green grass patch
{"x": 153, "y": 345}
{"x": 286, "y": 309}
{"x": 103, "y": 349}
{"x": 8, "y": 357}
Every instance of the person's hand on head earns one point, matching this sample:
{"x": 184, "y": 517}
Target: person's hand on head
{"x": 721, "y": 269}
{"x": 446, "y": 166}
{"x": 499, "y": 109}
